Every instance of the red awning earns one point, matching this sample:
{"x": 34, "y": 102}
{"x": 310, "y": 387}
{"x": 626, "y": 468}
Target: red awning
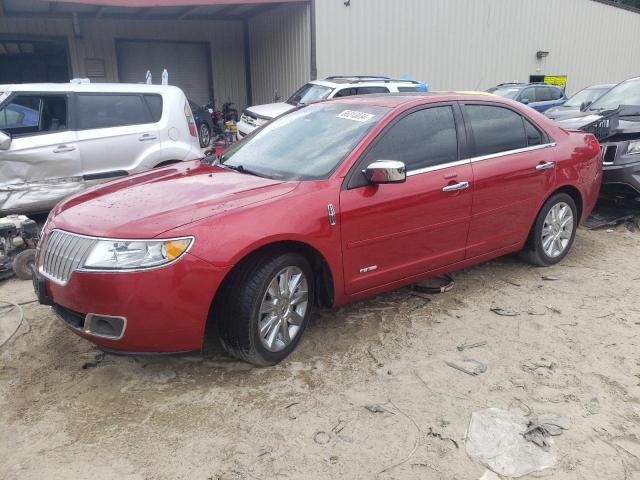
{"x": 166, "y": 3}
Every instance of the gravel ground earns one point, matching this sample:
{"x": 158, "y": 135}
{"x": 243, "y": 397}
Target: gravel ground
{"x": 571, "y": 348}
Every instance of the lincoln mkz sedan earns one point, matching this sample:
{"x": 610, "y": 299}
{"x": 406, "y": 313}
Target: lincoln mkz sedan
{"x": 328, "y": 204}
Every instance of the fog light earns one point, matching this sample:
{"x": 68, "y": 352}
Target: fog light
{"x": 105, "y": 326}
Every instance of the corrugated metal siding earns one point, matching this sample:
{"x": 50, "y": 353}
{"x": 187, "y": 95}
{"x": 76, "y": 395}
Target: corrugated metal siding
{"x": 280, "y": 52}
{"x": 469, "y": 45}
{"x": 98, "y": 41}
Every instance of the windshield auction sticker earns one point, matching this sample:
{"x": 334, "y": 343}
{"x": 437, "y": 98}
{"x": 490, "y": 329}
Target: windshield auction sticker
{"x": 355, "y": 116}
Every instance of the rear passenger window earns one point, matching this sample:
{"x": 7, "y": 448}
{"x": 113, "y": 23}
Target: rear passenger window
{"x": 534, "y": 137}
{"x": 345, "y": 92}
{"x": 556, "y": 94}
{"x": 495, "y": 129}
{"x": 421, "y": 139}
{"x": 103, "y": 111}
{"x": 155, "y": 106}
{"x": 543, "y": 94}
{"x": 529, "y": 94}
{"x": 407, "y": 89}
{"x": 369, "y": 90}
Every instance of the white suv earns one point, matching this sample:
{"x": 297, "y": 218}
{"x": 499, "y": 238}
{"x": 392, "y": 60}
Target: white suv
{"x": 330, "y": 87}
{"x": 58, "y": 139}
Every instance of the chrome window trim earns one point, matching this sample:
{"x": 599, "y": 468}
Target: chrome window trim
{"x": 437, "y": 167}
{"x": 479, "y": 159}
{"x": 512, "y": 152}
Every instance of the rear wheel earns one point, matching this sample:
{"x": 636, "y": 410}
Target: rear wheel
{"x": 553, "y": 232}
{"x": 204, "y": 135}
{"x": 265, "y": 308}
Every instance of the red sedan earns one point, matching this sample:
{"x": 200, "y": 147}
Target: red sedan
{"x": 328, "y": 204}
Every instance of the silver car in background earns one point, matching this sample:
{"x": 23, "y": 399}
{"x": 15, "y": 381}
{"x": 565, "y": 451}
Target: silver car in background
{"x": 58, "y": 139}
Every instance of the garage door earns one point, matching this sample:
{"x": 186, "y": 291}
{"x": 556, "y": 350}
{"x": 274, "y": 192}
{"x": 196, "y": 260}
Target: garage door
{"x": 187, "y": 64}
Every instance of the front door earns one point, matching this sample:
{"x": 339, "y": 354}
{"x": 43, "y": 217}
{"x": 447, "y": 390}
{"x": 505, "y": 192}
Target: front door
{"x": 391, "y": 232}
{"x": 42, "y": 164}
{"x": 513, "y": 169}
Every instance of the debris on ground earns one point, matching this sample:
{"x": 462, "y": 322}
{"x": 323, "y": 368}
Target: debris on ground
{"x": 495, "y": 438}
{"x": 467, "y": 346}
{"x": 439, "y": 284}
{"x": 469, "y": 366}
{"x": 550, "y": 278}
{"x": 375, "y": 408}
{"x": 99, "y": 359}
{"x": 504, "y": 313}
{"x": 542, "y": 427}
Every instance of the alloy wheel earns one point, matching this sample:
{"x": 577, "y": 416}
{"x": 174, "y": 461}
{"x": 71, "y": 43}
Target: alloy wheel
{"x": 283, "y": 308}
{"x": 205, "y": 135}
{"x": 557, "y": 230}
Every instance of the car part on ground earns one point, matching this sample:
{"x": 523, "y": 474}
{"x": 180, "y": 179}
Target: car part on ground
{"x": 59, "y": 139}
{"x": 336, "y": 197}
{"x": 615, "y": 121}
{"x": 331, "y": 87}
{"x": 18, "y": 240}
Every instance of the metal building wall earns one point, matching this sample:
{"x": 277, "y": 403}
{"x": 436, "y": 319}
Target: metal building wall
{"x": 474, "y": 44}
{"x": 99, "y": 36}
{"x": 280, "y": 52}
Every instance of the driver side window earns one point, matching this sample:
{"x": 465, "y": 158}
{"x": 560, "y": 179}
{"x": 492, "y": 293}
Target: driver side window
{"x": 528, "y": 93}
{"x": 31, "y": 114}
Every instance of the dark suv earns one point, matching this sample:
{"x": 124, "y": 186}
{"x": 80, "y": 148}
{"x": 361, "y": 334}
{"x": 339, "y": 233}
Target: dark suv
{"x": 614, "y": 119}
{"x": 539, "y": 96}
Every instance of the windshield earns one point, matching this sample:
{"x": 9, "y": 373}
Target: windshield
{"x": 510, "y": 93}
{"x": 625, "y": 93}
{"x": 305, "y": 144}
{"x": 309, "y": 93}
{"x": 586, "y": 95}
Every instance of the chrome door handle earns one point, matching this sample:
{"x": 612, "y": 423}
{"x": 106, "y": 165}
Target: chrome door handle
{"x": 64, "y": 149}
{"x": 146, "y": 137}
{"x": 456, "y": 186}
{"x": 546, "y": 166}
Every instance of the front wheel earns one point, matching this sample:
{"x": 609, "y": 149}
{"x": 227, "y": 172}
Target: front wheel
{"x": 266, "y": 307}
{"x": 204, "y": 135}
{"x": 553, "y": 232}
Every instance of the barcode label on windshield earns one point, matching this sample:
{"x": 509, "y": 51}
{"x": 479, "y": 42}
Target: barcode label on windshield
{"x": 356, "y": 116}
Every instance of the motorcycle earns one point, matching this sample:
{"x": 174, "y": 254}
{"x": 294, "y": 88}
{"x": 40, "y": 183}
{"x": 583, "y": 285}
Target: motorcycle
{"x": 221, "y": 117}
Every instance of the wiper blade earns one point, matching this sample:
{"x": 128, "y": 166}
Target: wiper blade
{"x": 241, "y": 169}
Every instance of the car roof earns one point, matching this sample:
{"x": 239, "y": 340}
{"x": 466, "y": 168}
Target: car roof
{"x": 88, "y": 87}
{"x": 362, "y": 81}
{"x": 395, "y": 100}
{"x": 602, "y": 85}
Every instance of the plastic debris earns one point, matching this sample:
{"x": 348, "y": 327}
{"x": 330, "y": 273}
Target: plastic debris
{"x": 375, "y": 408}
{"x": 544, "y": 426}
{"x": 504, "y": 313}
{"x": 495, "y": 438}
{"x": 467, "y": 346}
{"x": 469, "y": 366}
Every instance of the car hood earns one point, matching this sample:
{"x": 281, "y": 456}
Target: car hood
{"x": 148, "y": 204}
{"x": 561, "y": 112}
{"x": 579, "y": 120}
{"x": 270, "y": 110}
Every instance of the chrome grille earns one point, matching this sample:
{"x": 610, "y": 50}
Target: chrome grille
{"x": 62, "y": 254}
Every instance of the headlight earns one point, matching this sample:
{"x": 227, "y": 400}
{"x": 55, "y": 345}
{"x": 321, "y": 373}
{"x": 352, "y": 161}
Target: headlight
{"x": 134, "y": 254}
{"x": 633, "y": 148}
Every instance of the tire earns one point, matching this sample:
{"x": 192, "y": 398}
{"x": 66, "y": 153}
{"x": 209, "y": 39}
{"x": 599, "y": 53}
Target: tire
{"x": 22, "y": 263}
{"x": 249, "y": 307}
{"x": 204, "y": 135}
{"x": 542, "y": 251}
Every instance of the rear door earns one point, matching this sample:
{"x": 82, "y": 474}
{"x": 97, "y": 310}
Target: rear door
{"x": 513, "y": 170}
{"x": 42, "y": 164}
{"x": 391, "y": 232}
{"x": 117, "y": 133}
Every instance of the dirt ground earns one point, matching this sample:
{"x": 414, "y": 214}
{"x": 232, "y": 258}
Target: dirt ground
{"x": 571, "y": 349}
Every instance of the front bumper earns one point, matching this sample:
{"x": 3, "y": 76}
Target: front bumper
{"x": 164, "y": 309}
{"x": 244, "y": 129}
{"x": 620, "y": 169}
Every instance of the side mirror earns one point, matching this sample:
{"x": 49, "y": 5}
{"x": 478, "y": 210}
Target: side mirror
{"x": 585, "y": 105}
{"x": 526, "y": 101}
{"x": 385, "y": 171}
{"x": 5, "y": 140}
